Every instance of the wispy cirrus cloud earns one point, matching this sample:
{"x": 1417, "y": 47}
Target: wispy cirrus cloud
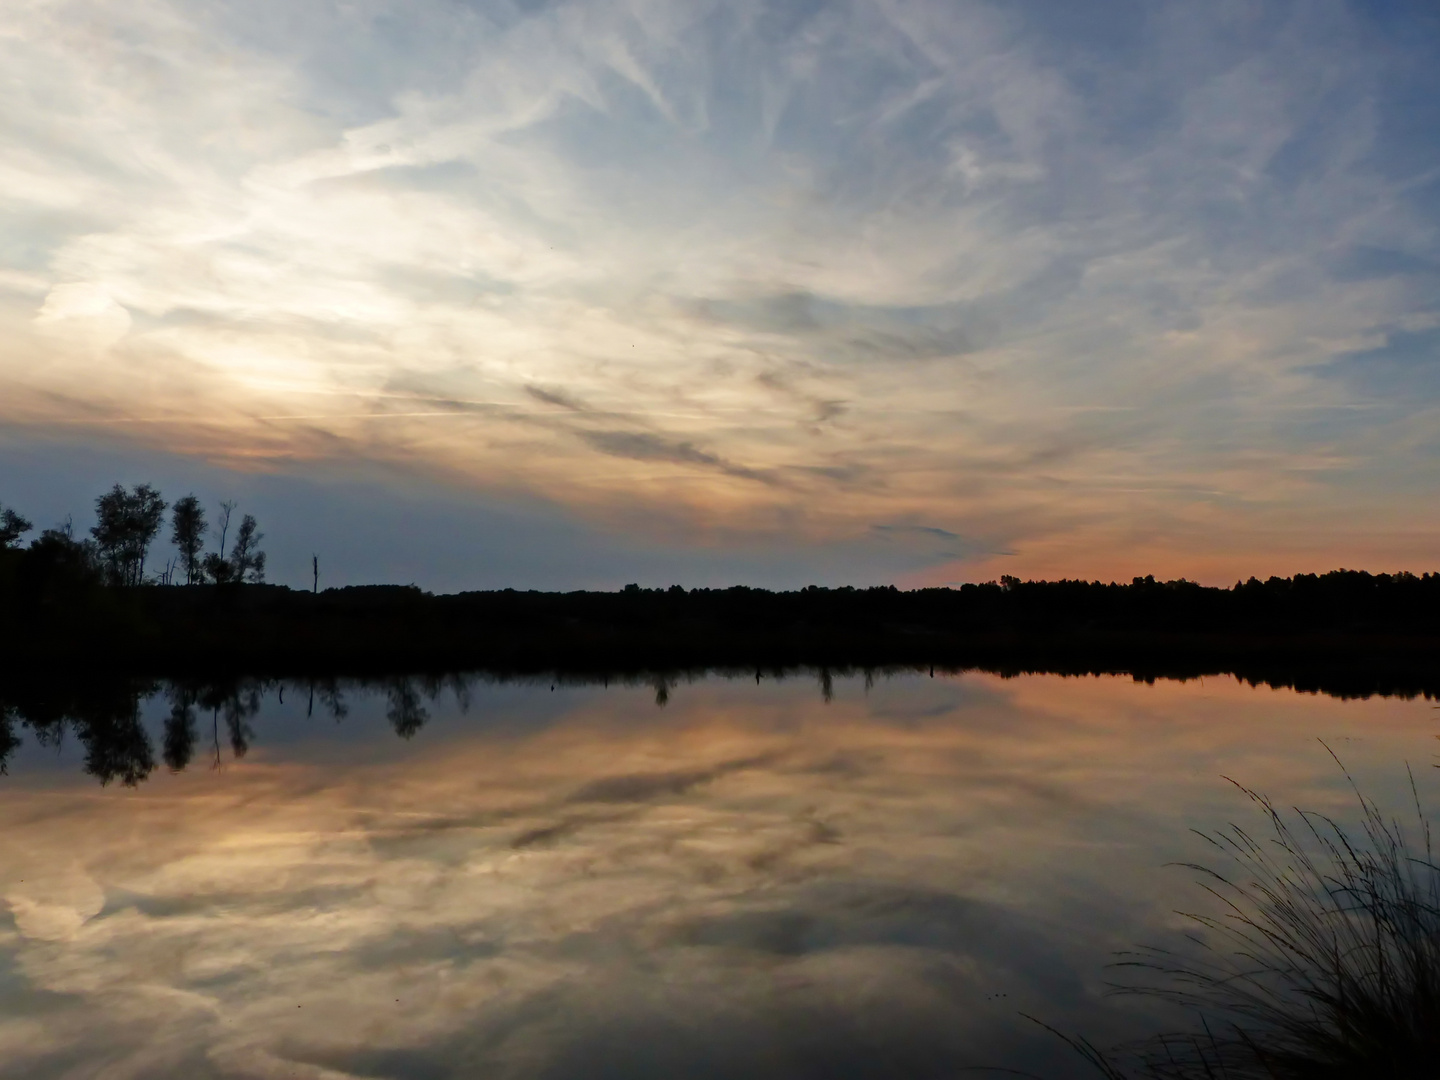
{"x": 1058, "y": 283}
{"x": 643, "y": 446}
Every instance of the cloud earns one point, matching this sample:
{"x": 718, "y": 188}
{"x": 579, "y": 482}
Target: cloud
{"x": 1365, "y": 263}
{"x": 83, "y": 314}
{"x": 922, "y": 530}
{"x": 554, "y": 397}
{"x": 642, "y": 787}
{"x": 935, "y": 543}
{"x": 644, "y": 446}
{"x": 1407, "y": 363}
{"x": 728, "y": 223}
{"x": 855, "y": 330}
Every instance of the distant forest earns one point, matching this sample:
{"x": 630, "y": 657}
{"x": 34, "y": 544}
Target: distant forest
{"x": 101, "y": 599}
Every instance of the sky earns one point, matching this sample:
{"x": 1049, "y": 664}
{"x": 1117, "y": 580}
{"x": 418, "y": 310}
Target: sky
{"x": 557, "y": 295}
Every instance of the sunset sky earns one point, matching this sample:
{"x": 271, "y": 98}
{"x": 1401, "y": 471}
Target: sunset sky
{"x": 477, "y": 294}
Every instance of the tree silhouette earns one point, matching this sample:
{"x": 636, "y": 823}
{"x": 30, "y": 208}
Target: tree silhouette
{"x": 215, "y": 566}
{"x": 247, "y": 561}
{"x": 12, "y": 526}
{"x": 127, "y": 523}
{"x": 58, "y": 572}
{"x": 226, "y": 509}
{"x": 188, "y": 534}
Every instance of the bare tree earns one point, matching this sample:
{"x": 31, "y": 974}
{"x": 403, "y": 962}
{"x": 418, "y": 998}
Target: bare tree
{"x": 215, "y": 566}
{"x": 226, "y": 509}
{"x": 127, "y": 523}
{"x": 188, "y": 534}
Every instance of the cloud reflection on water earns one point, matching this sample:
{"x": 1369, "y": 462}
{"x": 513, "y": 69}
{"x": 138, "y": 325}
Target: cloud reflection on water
{"x": 749, "y": 882}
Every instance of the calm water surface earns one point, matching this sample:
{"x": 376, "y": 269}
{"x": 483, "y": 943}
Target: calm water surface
{"x": 750, "y": 881}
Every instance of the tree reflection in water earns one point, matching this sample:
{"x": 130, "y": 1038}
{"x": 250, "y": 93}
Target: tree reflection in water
{"x": 105, "y": 711}
{"x": 405, "y": 713}
{"x": 748, "y": 883}
{"x": 105, "y": 714}
{"x": 180, "y": 730}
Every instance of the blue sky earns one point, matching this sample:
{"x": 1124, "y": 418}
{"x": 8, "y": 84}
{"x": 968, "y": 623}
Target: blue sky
{"x": 579, "y": 293}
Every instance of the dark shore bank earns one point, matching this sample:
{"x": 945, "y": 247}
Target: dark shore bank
{"x": 1345, "y": 632}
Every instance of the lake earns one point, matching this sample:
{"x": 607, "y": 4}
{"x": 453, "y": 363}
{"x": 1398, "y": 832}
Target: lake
{"x": 814, "y": 876}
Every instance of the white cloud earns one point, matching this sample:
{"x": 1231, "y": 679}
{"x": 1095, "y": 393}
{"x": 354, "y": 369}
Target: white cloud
{"x": 83, "y": 314}
{"x": 315, "y": 207}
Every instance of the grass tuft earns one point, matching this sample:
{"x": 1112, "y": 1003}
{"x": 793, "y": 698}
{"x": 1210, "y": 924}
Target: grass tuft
{"x": 1323, "y": 961}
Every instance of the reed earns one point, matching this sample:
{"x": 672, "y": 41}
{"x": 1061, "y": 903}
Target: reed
{"x": 1322, "y": 961}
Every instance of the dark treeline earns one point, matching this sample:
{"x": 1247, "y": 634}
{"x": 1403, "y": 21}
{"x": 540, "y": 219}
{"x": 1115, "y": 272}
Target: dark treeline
{"x": 66, "y": 600}
{"x": 1344, "y": 632}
